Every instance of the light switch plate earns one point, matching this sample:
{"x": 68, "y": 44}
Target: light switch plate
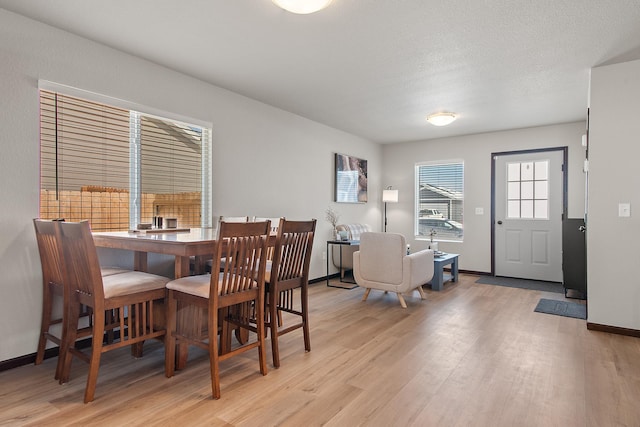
{"x": 624, "y": 209}
{"x": 479, "y": 211}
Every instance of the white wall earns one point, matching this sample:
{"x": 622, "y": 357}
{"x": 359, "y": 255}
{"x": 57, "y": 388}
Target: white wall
{"x": 267, "y": 162}
{"x": 475, "y": 150}
{"x": 613, "y": 242}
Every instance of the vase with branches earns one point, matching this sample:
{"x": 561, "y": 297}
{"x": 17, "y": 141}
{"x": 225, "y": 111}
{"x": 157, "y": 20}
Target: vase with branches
{"x": 332, "y": 217}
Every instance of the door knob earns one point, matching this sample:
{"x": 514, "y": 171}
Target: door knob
{"x": 499, "y": 222}
{"x": 582, "y": 228}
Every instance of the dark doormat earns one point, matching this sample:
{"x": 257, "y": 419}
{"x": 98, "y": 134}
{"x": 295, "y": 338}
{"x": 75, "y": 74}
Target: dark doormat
{"x": 562, "y": 308}
{"x": 510, "y": 282}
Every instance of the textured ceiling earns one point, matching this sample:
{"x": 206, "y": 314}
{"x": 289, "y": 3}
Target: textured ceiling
{"x": 376, "y": 68}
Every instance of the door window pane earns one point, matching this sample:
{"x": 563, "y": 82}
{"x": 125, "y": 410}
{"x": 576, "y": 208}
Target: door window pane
{"x": 526, "y": 171}
{"x": 526, "y": 207}
{"x": 542, "y": 190}
{"x": 528, "y": 190}
{"x": 513, "y": 209}
{"x": 542, "y": 170}
{"x": 541, "y": 209}
{"x": 513, "y": 172}
{"x": 513, "y": 191}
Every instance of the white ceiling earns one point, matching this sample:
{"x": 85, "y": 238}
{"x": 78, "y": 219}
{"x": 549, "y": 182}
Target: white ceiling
{"x": 376, "y": 68}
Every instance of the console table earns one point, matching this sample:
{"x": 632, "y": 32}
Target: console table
{"x": 340, "y": 243}
{"x": 438, "y": 270}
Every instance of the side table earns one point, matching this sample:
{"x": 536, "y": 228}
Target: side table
{"x": 438, "y": 270}
{"x": 340, "y": 243}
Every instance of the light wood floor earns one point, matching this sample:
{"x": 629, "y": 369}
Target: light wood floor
{"x": 471, "y": 355}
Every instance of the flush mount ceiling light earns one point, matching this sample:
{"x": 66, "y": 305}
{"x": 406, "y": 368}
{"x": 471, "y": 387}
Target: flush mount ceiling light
{"x": 441, "y": 119}
{"x": 302, "y": 6}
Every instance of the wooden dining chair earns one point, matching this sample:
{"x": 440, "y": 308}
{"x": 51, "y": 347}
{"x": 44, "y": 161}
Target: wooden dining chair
{"x": 130, "y": 296}
{"x": 241, "y": 334}
{"x": 226, "y": 297}
{"x": 275, "y": 222}
{"x": 209, "y": 263}
{"x": 53, "y": 291}
{"x": 289, "y": 271}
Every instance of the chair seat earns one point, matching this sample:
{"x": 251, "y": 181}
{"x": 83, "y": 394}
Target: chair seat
{"x": 192, "y": 285}
{"x": 110, "y": 271}
{"x": 130, "y": 282}
{"x": 195, "y": 285}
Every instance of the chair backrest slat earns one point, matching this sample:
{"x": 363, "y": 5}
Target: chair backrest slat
{"x": 83, "y": 276}
{"x": 243, "y": 245}
{"x": 49, "y": 253}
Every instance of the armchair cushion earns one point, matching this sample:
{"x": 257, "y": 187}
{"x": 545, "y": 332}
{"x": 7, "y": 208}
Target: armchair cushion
{"x": 381, "y": 258}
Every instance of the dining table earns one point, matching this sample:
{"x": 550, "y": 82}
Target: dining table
{"x": 182, "y": 244}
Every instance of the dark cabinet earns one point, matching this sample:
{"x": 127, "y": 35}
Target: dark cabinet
{"x": 574, "y": 258}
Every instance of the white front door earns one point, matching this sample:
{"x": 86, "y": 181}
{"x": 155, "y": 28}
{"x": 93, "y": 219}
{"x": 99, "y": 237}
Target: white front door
{"x": 528, "y": 215}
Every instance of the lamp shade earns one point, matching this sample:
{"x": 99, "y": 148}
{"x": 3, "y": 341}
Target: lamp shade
{"x": 390, "y": 196}
{"x": 302, "y": 7}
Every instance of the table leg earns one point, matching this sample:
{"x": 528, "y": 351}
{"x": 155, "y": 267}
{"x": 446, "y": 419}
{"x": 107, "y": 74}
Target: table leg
{"x": 341, "y": 269}
{"x": 190, "y": 321}
{"x": 140, "y": 261}
{"x": 454, "y": 270}
{"x": 327, "y": 264}
{"x": 200, "y": 264}
{"x": 436, "y": 282}
{"x": 181, "y": 266}
{"x": 182, "y": 350}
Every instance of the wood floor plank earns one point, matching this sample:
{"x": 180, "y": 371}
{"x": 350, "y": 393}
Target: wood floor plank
{"x": 468, "y": 355}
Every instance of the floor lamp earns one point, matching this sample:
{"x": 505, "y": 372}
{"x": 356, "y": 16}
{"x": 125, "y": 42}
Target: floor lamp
{"x": 388, "y": 196}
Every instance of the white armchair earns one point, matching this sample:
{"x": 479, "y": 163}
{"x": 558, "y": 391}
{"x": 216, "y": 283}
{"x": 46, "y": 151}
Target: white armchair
{"x": 382, "y": 263}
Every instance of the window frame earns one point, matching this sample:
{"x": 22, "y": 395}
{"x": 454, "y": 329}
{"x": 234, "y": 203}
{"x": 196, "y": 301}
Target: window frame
{"x": 455, "y": 203}
{"x": 138, "y": 111}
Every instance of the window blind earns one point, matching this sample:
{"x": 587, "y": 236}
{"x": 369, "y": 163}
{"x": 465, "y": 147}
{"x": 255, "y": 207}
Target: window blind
{"x": 171, "y": 158}
{"x": 440, "y": 200}
{"x": 117, "y": 168}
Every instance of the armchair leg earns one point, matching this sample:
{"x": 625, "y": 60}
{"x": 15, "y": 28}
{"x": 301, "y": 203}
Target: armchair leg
{"x": 402, "y": 302}
{"x": 366, "y": 294}
{"x": 422, "y": 294}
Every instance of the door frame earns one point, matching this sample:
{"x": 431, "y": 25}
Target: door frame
{"x": 565, "y": 181}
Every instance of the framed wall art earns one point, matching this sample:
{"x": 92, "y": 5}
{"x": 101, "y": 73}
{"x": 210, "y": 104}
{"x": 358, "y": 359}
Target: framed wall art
{"x": 350, "y": 179}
